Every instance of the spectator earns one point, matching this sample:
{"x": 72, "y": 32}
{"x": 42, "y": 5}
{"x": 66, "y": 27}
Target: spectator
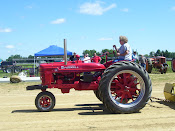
{"x": 142, "y": 61}
{"x": 124, "y": 52}
{"x": 96, "y": 59}
{"x": 87, "y": 59}
{"x": 134, "y": 56}
{"x": 73, "y": 57}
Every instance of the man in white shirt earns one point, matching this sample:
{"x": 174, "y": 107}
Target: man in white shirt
{"x": 87, "y": 59}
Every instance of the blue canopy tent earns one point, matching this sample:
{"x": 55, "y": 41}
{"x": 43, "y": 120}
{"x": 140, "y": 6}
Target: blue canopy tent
{"x": 52, "y": 50}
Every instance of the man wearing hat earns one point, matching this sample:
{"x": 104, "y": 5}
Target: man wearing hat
{"x": 73, "y": 57}
{"x": 134, "y": 56}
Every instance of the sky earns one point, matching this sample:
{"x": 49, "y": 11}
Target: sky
{"x": 29, "y": 26}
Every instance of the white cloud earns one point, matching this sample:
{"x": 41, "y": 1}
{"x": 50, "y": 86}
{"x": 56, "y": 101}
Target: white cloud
{"x": 29, "y": 7}
{"x": 95, "y": 8}
{"x": 173, "y": 8}
{"x": 58, "y": 21}
{"x": 6, "y": 30}
{"x": 105, "y": 39}
{"x": 125, "y": 10}
{"x": 10, "y": 47}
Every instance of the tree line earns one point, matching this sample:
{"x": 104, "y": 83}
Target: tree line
{"x": 165, "y": 53}
{"x": 19, "y": 57}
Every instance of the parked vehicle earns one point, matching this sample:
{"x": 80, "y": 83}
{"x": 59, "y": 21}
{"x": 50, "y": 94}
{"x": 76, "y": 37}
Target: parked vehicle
{"x": 9, "y": 67}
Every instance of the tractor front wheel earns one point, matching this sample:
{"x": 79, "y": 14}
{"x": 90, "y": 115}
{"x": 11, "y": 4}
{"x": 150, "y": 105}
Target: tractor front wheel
{"x": 45, "y": 101}
{"x": 125, "y": 87}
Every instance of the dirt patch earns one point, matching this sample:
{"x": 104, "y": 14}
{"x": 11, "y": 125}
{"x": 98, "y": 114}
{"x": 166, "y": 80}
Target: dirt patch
{"x": 80, "y": 110}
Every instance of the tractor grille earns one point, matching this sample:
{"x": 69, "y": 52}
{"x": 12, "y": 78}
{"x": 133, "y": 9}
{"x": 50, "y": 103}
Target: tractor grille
{"x": 42, "y": 75}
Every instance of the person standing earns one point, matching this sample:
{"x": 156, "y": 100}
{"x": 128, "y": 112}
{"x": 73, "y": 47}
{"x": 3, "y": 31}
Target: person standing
{"x": 73, "y": 57}
{"x": 87, "y": 59}
{"x": 134, "y": 56}
{"x": 96, "y": 58}
{"x": 142, "y": 61}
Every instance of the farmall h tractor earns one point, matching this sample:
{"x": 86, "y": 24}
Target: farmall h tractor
{"x": 123, "y": 87}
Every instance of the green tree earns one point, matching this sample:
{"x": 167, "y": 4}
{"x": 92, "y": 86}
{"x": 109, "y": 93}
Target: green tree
{"x": 151, "y": 54}
{"x": 30, "y": 57}
{"x": 110, "y": 51}
{"x": 167, "y": 54}
{"x": 89, "y": 52}
{"x": 14, "y": 57}
{"x": 158, "y": 53}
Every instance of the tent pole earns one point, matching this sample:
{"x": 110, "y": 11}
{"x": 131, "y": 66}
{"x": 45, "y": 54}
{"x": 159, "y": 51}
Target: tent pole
{"x": 65, "y": 52}
{"x": 34, "y": 65}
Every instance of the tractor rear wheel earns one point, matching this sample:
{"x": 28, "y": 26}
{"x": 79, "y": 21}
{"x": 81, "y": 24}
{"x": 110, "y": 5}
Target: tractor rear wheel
{"x": 96, "y": 92}
{"x": 125, "y": 87}
{"x": 173, "y": 64}
{"x": 45, "y": 101}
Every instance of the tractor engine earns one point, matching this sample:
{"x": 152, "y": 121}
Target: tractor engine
{"x": 77, "y": 75}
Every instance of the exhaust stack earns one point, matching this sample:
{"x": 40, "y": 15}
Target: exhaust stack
{"x": 65, "y": 52}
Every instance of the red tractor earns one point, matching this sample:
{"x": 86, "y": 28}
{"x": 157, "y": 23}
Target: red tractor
{"x": 173, "y": 64}
{"x": 123, "y": 87}
{"x": 158, "y": 62}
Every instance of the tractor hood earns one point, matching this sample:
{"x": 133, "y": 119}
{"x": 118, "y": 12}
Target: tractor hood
{"x": 77, "y": 66}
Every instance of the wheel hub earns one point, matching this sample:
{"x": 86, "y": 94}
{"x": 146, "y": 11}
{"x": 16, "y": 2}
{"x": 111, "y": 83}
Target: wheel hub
{"x": 45, "y": 101}
{"x": 125, "y": 87}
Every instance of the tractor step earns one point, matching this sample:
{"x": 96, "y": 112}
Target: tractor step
{"x": 34, "y": 87}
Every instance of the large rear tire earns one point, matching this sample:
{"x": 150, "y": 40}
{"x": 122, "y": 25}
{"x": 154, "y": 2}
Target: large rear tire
{"x": 45, "y": 101}
{"x": 125, "y": 87}
{"x": 96, "y": 92}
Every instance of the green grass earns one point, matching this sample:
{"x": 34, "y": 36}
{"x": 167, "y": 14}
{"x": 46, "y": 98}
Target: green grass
{"x": 3, "y": 74}
{"x": 169, "y": 67}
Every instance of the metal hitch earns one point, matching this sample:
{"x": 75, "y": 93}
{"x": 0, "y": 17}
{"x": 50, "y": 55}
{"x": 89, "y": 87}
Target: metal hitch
{"x": 34, "y": 87}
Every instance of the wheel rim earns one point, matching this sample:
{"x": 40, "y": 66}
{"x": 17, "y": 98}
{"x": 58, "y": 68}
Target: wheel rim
{"x": 45, "y": 102}
{"x": 17, "y": 70}
{"x": 8, "y": 70}
{"x": 126, "y": 88}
